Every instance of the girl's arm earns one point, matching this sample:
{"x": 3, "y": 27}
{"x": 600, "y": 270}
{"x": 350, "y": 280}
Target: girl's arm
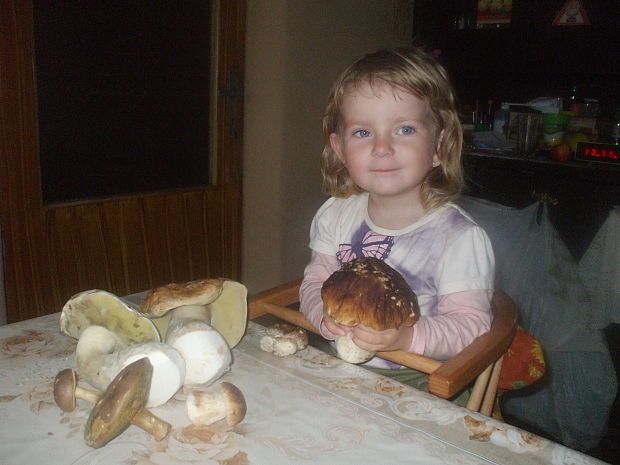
{"x": 462, "y": 317}
{"x": 320, "y": 267}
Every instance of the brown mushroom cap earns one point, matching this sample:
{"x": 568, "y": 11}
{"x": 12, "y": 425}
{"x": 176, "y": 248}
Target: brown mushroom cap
{"x": 236, "y": 403}
{"x": 162, "y": 299}
{"x": 370, "y": 292}
{"x": 122, "y": 400}
{"x": 65, "y": 384}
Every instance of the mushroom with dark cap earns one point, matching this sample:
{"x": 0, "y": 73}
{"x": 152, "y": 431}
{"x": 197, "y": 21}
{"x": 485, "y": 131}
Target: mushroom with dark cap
{"x": 67, "y": 391}
{"x": 370, "y": 292}
{"x": 221, "y": 401}
{"x": 124, "y": 398}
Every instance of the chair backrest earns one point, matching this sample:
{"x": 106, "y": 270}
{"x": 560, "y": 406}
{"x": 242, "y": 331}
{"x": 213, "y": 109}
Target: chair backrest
{"x": 446, "y": 379}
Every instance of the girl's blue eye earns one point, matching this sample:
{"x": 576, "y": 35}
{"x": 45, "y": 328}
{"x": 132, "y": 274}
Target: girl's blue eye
{"x": 406, "y": 130}
{"x": 362, "y": 133}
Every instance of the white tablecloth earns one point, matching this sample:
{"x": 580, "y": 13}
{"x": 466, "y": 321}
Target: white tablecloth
{"x": 307, "y": 408}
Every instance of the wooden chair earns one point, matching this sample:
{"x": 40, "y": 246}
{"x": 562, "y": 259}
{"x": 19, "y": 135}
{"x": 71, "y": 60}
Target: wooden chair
{"x": 481, "y": 360}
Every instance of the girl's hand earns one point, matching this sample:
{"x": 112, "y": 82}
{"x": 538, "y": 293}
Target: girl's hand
{"x": 376, "y": 341}
{"x": 333, "y": 327}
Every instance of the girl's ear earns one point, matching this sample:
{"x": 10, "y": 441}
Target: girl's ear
{"x": 336, "y": 145}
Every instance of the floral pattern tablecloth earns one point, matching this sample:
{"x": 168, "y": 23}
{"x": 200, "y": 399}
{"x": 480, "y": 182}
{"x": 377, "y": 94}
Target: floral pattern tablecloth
{"x": 309, "y": 408}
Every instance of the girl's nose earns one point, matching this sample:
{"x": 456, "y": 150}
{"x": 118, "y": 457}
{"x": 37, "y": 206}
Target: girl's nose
{"x": 383, "y": 147}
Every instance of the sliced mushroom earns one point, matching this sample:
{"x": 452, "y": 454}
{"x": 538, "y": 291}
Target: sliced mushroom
{"x": 221, "y": 401}
{"x": 101, "y": 355}
{"x": 101, "y": 308}
{"x": 122, "y": 400}
{"x": 67, "y": 391}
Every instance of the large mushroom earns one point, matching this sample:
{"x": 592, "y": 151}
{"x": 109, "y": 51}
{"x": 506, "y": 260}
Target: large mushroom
{"x": 219, "y": 302}
{"x": 101, "y": 354}
{"x": 67, "y": 391}
{"x": 123, "y": 399}
{"x": 370, "y": 292}
{"x": 204, "y": 320}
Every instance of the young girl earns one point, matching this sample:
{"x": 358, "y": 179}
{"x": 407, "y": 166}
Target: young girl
{"x": 392, "y": 165}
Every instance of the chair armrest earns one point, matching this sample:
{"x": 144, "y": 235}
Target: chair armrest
{"x": 456, "y": 373}
{"x": 446, "y": 378}
{"x": 283, "y": 295}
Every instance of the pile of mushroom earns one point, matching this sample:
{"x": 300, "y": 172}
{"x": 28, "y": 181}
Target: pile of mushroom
{"x": 181, "y": 335}
{"x": 185, "y": 330}
{"x": 370, "y": 292}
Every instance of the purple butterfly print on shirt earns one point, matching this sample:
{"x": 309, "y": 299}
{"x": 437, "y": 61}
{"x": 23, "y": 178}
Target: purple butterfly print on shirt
{"x": 365, "y": 243}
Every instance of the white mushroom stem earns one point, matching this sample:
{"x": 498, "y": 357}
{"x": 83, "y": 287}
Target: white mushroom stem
{"x": 221, "y": 401}
{"x": 206, "y": 353}
{"x": 101, "y": 355}
{"x": 350, "y": 352}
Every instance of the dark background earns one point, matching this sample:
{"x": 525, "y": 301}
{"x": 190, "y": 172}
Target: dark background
{"x": 529, "y": 57}
{"x": 123, "y": 96}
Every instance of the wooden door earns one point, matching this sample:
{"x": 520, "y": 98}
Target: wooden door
{"x": 121, "y": 243}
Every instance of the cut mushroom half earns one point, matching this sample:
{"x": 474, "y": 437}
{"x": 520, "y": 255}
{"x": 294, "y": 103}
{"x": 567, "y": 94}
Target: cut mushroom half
{"x": 101, "y": 354}
{"x": 218, "y": 402}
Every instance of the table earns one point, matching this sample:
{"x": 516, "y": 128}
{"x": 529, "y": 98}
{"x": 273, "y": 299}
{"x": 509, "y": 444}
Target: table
{"x": 308, "y": 408}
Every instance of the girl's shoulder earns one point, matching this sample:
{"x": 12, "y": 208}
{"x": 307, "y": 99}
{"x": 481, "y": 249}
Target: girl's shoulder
{"x": 340, "y": 205}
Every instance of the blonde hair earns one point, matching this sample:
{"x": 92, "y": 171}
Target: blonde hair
{"x": 419, "y": 74}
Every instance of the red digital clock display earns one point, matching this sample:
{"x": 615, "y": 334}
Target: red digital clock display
{"x": 599, "y": 152}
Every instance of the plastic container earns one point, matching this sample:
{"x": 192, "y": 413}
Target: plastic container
{"x": 500, "y": 119}
{"x": 554, "y": 125}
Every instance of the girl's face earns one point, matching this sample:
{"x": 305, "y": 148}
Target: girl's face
{"x": 387, "y": 142}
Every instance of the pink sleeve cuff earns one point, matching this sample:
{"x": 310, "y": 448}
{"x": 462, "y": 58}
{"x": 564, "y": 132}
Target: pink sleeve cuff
{"x": 320, "y": 267}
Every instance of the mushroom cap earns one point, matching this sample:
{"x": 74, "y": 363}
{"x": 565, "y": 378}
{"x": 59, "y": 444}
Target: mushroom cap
{"x": 122, "y": 400}
{"x": 370, "y": 292}
{"x": 65, "y": 384}
{"x": 101, "y": 308}
{"x": 162, "y": 299}
{"x": 236, "y": 403}
{"x": 225, "y": 301}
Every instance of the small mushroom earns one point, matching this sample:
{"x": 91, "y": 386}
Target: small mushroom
{"x": 100, "y": 355}
{"x": 283, "y": 339}
{"x": 221, "y": 401}
{"x": 67, "y": 391}
{"x": 117, "y": 407}
{"x": 367, "y": 291}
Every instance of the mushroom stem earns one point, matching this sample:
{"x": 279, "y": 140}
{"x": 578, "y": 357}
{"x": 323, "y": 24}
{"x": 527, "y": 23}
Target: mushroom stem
{"x": 87, "y": 394}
